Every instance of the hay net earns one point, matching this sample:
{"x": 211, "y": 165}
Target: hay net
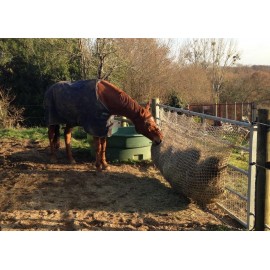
{"x": 193, "y": 156}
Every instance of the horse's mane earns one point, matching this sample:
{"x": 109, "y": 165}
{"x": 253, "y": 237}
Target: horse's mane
{"x": 120, "y": 103}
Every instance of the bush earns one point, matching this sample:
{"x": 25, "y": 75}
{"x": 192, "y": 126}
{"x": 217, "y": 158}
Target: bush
{"x": 10, "y": 116}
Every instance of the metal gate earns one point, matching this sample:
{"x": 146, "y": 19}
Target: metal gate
{"x": 239, "y": 198}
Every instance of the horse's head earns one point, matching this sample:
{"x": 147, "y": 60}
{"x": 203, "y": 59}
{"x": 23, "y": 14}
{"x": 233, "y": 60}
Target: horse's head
{"x": 147, "y": 126}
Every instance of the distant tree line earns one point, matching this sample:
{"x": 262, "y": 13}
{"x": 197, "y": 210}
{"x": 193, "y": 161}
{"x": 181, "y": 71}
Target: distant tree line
{"x": 199, "y": 71}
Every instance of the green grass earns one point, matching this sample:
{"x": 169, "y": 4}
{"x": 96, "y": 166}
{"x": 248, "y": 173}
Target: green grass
{"x": 36, "y": 133}
{"x": 79, "y": 137}
{"x": 238, "y": 160}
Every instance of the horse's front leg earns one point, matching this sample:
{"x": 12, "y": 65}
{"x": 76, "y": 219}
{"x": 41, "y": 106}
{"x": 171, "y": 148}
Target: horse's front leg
{"x": 51, "y": 135}
{"x": 67, "y": 133}
{"x": 104, "y": 163}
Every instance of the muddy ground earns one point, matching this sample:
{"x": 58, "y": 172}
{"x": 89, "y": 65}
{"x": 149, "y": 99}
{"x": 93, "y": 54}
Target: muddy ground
{"x": 37, "y": 195}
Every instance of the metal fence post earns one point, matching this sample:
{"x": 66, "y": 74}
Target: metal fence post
{"x": 252, "y": 177}
{"x": 262, "y": 221}
{"x": 260, "y": 177}
{"x": 267, "y": 176}
{"x": 155, "y": 109}
{"x": 253, "y": 112}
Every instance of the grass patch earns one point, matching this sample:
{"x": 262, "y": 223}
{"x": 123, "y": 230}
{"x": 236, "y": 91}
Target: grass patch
{"x": 79, "y": 137}
{"x": 37, "y": 133}
{"x": 239, "y": 160}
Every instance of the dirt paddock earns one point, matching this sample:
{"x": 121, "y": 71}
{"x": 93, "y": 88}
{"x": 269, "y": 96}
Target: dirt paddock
{"x": 37, "y": 195}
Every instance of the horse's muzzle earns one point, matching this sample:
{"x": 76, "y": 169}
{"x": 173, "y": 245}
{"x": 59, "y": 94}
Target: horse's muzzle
{"x": 158, "y": 143}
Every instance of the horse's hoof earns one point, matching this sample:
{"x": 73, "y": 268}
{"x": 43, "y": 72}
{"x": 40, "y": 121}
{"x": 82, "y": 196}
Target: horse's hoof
{"x": 72, "y": 161}
{"x": 98, "y": 169}
{"x": 53, "y": 159}
{"x": 105, "y": 167}
{"x": 56, "y": 145}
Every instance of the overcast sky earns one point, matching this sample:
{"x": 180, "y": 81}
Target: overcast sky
{"x": 254, "y": 51}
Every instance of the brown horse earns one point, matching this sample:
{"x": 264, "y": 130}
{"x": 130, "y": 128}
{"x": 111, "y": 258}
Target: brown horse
{"x": 90, "y": 104}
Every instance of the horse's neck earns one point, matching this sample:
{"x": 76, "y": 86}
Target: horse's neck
{"x": 118, "y": 102}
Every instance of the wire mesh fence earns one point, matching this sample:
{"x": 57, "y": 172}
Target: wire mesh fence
{"x": 206, "y": 162}
{"x": 235, "y": 196}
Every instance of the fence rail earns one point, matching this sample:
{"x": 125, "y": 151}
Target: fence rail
{"x": 236, "y": 110}
{"x": 206, "y": 116}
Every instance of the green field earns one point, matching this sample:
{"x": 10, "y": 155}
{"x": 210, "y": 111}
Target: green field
{"x": 79, "y": 137}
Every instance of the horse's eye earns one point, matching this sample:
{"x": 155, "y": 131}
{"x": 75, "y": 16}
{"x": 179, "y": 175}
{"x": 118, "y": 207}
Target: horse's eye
{"x": 147, "y": 124}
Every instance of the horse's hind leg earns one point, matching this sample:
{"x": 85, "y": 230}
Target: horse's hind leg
{"x": 104, "y": 163}
{"x": 51, "y": 135}
{"x": 68, "y": 131}
{"x": 56, "y": 139}
{"x": 100, "y": 147}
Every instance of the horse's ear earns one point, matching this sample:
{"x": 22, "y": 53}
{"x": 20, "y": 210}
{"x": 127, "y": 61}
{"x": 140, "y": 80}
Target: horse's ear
{"x": 147, "y": 107}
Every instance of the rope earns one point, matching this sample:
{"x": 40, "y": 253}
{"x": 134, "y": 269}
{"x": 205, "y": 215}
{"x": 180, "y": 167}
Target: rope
{"x": 263, "y": 124}
{"x": 266, "y": 166}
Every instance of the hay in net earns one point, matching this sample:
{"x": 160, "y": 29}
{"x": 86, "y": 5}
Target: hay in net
{"x": 193, "y": 156}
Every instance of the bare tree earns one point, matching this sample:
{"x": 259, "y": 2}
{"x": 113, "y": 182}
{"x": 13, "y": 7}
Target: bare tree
{"x": 106, "y": 57}
{"x": 85, "y": 57}
{"x": 10, "y": 116}
{"x": 246, "y": 84}
{"x": 147, "y": 68}
{"x": 193, "y": 85}
{"x": 98, "y": 57}
{"x": 215, "y": 55}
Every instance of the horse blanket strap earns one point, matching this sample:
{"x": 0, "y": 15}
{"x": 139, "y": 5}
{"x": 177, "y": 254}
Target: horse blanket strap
{"x": 76, "y": 104}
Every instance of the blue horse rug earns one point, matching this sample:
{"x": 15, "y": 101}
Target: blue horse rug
{"x": 76, "y": 104}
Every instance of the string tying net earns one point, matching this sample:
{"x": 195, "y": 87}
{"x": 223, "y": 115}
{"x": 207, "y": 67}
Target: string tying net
{"x": 193, "y": 156}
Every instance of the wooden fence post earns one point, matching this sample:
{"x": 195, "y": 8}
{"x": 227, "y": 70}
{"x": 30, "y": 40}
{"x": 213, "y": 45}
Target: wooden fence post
{"x": 155, "y": 109}
{"x": 262, "y": 193}
{"x": 253, "y": 111}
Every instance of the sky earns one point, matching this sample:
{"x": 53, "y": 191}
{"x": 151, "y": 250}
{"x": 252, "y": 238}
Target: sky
{"x": 254, "y": 51}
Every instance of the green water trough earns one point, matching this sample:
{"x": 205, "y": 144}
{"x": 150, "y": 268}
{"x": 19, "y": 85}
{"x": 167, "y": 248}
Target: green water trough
{"x": 126, "y": 145}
